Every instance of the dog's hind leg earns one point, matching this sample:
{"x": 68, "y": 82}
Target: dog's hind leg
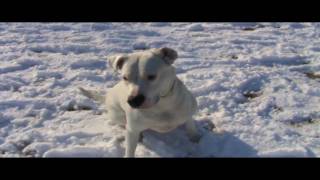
{"x": 192, "y": 131}
{"x": 95, "y": 95}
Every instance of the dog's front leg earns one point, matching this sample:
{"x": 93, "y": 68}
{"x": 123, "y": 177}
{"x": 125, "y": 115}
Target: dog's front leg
{"x": 192, "y": 131}
{"x": 132, "y": 138}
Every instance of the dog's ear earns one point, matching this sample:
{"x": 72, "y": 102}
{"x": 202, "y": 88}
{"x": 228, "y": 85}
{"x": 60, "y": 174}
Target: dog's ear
{"x": 116, "y": 61}
{"x": 167, "y": 54}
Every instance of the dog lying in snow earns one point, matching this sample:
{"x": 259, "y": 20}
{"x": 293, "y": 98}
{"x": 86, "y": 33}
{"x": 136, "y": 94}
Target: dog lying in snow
{"x": 149, "y": 96}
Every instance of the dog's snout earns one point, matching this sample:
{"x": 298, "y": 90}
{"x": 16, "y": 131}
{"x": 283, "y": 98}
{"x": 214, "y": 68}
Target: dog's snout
{"x": 136, "y": 101}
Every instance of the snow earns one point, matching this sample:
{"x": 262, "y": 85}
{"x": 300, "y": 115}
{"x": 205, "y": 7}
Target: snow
{"x": 140, "y": 46}
{"x": 196, "y": 27}
{"x": 286, "y": 152}
{"x": 256, "y": 85}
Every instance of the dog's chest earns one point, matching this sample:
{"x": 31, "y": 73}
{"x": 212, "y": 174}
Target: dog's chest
{"x": 163, "y": 121}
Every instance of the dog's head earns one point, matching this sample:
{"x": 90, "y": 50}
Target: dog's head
{"x": 148, "y": 75}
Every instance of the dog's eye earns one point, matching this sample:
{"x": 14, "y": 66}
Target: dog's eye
{"x": 151, "y": 77}
{"x": 125, "y": 78}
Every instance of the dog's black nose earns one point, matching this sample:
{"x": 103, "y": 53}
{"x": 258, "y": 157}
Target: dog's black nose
{"x": 136, "y": 101}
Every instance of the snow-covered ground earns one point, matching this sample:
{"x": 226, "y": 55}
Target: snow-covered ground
{"x": 259, "y": 83}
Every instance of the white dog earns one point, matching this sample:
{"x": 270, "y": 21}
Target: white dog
{"x": 149, "y": 96}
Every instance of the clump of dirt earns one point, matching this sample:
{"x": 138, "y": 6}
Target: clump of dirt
{"x": 252, "y": 94}
{"x": 312, "y": 75}
{"x": 278, "y": 109}
{"x": 249, "y": 29}
{"x": 302, "y": 122}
